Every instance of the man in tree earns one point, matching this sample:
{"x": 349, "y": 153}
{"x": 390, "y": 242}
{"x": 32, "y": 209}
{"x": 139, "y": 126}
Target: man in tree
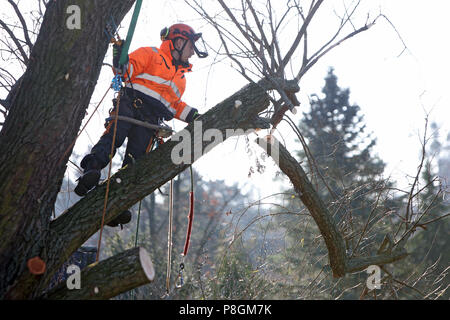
{"x": 155, "y": 81}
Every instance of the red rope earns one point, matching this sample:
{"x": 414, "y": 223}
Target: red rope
{"x": 190, "y": 219}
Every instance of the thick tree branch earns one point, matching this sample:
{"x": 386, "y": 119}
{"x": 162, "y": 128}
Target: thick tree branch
{"x": 361, "y": 263}
{"x": 120, "y": 273}
{"x": 319, "y": 212}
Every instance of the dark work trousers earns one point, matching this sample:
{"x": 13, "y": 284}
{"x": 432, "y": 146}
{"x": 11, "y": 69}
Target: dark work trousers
{"x": 139, "y": 137}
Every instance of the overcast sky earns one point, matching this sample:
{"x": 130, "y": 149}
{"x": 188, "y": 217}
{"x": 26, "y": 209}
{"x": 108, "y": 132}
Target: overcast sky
{"x": 395, "y": 92}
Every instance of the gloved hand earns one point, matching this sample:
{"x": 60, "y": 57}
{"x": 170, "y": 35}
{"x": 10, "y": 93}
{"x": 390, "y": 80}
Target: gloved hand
{"x": 117, "y": 52}
{"x": 196, "y": 116}
{"x": 192, "y": 116}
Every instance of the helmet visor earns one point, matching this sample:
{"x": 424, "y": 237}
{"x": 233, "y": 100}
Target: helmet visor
{"x": 199, "y": 46}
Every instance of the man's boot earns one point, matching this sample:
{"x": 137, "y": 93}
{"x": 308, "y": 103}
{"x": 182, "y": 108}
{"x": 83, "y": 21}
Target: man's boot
{"x": 121, "y": 219}
{"x": 90, "y": 177}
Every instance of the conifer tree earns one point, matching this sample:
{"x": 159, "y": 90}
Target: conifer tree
{"x": 338, "y": 139}
{"x": 343, "y": 158}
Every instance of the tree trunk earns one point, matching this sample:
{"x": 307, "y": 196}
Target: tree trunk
{"x": 44, "y": 120}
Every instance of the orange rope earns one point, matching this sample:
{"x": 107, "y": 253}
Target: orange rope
{"x": 109, "y": 176}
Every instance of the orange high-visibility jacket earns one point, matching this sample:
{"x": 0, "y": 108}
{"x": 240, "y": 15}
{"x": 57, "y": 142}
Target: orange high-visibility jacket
{"x": 151, "y": 71}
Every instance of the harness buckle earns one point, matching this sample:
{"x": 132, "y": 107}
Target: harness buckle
{"x": 137, "y": 103}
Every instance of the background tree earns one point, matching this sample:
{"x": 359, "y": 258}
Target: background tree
{"x": 344, "y": 166}
{"x": 336, "y": 136}
{"x": 426, "y": 270}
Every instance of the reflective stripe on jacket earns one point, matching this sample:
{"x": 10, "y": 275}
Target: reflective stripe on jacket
{"x": 152, "y": 72}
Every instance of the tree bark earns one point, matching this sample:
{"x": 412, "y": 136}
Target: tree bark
{"x": 361, "y": 263}
{"x": 43, "y": 121}
{"x": 120, "y": 273}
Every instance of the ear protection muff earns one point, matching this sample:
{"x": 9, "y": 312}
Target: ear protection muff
{"x": 164, "y": 33}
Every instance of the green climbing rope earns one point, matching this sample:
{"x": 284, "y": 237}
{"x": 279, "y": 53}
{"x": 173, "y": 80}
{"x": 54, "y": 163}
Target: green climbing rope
{"x": 126, "y": 46}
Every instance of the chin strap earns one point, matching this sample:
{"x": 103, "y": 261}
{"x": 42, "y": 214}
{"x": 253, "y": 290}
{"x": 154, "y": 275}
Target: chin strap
{"x": 199, "y": 53}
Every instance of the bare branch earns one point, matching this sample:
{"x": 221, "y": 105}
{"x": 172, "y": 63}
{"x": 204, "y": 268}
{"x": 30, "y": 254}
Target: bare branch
{"x": 312, "y": 62}
{"x": 24, "y": 25}
{"x": 301, "y": 33}
{"x": 16, "y": 42}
